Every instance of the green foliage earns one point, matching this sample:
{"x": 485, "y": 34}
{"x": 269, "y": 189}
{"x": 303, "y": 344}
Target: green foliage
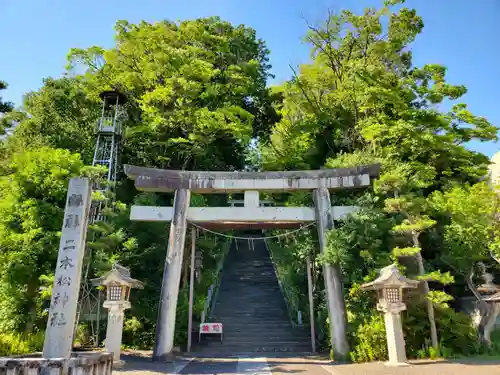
{"x": 14, "y": 344}
{"x": 416, "y": 225}
{"x": 336, "y": 248}
{"x": 32, "y": 197}
{"x": 406, "y": 251}
{"x": 494, "y": 349}
{"x": 197, "y": 99}
{"x": 471, "y": 226}
{"x": 198, "y": 87}
{"x": 457, "y": 337}
{"x": 4, "y": 106}
{"x": 456, "y": 333}
{"x": 443, "y": 278}
{"x": 370, "y": 341}
{"x": 438, "y": 297}
{"x": 289, "y": 258}
{"x": 362, "y": 101}
{"x": 59, "y": 115}
{"x": 361, "y": 94}
{"x": 363, "y": 240}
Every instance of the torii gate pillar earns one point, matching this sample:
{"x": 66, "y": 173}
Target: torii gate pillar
{"x": 165, "y": 324}
{"x": 333, "y": 278}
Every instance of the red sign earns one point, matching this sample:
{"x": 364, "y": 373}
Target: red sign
{"x": 211, "y": 327}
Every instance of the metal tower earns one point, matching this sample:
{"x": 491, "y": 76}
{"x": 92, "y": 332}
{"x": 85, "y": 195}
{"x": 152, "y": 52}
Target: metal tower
{"x": 109, "y": 132}
{"x": 108, "y": 140}
{"x": 109, "y": 135}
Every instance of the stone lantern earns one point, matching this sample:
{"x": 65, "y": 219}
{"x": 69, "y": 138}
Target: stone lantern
{"x": 118, "y": 284}
{"x": 389, "y": 286}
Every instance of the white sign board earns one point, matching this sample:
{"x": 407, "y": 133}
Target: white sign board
{"x": 210, "y": 328}
{"x": 62, "y": 313}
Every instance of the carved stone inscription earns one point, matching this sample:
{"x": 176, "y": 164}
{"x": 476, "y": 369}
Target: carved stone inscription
{"x": 62, "y": 312}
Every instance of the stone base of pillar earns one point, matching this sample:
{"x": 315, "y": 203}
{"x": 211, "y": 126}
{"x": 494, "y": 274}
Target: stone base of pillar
{"x": 118, "y": 364}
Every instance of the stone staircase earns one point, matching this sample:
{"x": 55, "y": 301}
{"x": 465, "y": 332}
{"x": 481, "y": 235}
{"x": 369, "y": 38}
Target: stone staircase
{"x": 251, "y": 307}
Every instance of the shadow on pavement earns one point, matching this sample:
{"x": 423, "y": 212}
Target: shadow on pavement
{"x": 220, "y": 365}
{"x": 279, "y": 364}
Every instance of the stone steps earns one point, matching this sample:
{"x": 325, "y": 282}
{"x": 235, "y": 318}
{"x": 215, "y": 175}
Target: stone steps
{"x": 252, "y": 309}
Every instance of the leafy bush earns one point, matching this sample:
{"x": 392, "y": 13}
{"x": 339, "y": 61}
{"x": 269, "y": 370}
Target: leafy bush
{"x": 12, "y": 344}
{"x": 370, "y": 341}
{"x": 290, "y": 266}
{"x": 494, "y": 349}
{"x": 131, "y": 329}
{"x": 455, "y": 331}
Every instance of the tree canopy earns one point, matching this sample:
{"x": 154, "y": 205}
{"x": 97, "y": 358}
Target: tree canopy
{"x": 4, "y": 106}
{"x": 195, "y": 87}
{"x": 198, "y": 98}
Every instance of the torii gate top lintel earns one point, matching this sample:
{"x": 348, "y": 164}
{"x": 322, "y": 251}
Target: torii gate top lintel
{"x": 166, "y": 180}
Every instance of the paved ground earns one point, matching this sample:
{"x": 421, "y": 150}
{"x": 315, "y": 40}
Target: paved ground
{"x": 286, "y": 365}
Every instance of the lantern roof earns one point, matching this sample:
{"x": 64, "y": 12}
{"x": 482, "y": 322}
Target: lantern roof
{"x": 118, "y": 274}
{"x": 390, "y": 277}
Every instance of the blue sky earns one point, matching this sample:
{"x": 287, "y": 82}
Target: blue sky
{"x": 461, "y": 34}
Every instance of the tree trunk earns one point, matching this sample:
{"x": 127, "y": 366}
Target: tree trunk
{"x": 430, "y": 307}
{"x": 32, "y": 294}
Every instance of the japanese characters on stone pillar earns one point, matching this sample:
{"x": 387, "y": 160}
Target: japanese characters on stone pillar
{"x": 63, "y": 306}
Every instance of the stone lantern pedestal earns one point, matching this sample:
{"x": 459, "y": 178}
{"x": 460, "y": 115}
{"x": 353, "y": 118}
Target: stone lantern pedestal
{"x": 118, "y": 284}
{"x": 114, "y": 330}
{"x": 389, "y": 286}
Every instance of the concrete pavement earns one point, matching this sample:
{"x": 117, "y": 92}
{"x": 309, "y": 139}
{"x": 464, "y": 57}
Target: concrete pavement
{"x": 308, "y": 365}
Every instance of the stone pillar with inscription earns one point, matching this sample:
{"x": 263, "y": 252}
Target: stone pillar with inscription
{"x": 63, "y": 306}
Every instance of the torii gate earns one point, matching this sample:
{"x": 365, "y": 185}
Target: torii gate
{"x": 320, "y": 182}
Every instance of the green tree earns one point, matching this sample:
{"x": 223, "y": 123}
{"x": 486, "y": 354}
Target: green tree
{"x": 471, "y": 237}
{"x": 195, "y": 88}
{"x": 4, "y": 106}
{"x": 361, "y": 101}
{"x": 196, "y": 95}
{"x": 32, "y": 199}
{"x": 59, "y": 115}
{"x": 361, "y": 91}
{"x": 405, "y": 179}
